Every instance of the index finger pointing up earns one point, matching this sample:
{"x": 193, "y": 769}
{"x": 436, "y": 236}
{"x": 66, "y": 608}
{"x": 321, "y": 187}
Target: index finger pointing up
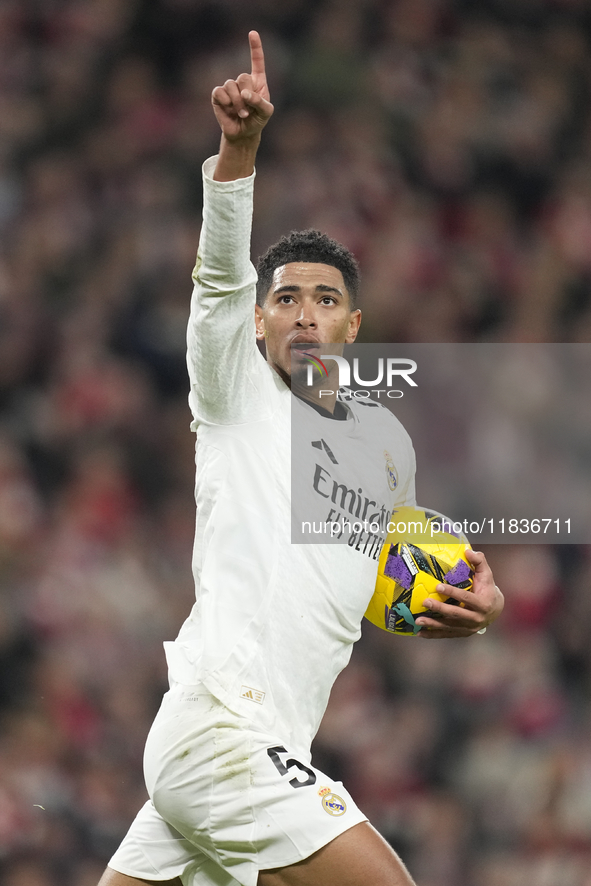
{"x": 257, "y": 56}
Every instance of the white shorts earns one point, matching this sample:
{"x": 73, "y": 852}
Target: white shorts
{"x": 227, "y": 800}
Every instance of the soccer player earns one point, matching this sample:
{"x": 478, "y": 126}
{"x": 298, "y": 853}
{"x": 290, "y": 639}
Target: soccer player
{"x": 234, "y": 798}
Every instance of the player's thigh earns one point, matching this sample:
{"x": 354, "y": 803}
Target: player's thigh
{"x": 358, "y": 857}
{"x": 114, "y": 878}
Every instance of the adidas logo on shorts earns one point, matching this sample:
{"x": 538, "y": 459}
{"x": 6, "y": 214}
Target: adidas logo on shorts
{"x": 252, "y": 694}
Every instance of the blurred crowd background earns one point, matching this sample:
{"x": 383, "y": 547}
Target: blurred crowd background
{"x": 448, "y": 143}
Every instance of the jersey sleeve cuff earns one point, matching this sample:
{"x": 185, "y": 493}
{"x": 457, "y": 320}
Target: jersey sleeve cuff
{"x": 238, "y": 184}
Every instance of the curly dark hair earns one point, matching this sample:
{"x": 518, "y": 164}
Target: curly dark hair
{"x": 308, "y": 246}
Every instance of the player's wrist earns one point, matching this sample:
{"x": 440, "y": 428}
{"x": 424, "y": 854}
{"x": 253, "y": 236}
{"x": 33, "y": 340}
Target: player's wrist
{"x": 237, "y": 157}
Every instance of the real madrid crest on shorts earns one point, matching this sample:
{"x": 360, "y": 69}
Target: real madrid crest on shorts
{"x": 331, "y": 802}
{"x": 390, "y": 471}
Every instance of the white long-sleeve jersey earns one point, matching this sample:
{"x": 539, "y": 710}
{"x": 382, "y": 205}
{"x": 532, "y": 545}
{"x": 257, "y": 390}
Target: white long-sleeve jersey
{"x": 274, "y": 622}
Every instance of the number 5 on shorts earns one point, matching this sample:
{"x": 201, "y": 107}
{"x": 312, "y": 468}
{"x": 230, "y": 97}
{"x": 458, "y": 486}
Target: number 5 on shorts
{"x": 283, "y": 769}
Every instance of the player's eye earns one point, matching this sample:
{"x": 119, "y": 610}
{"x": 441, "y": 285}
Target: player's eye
{"x": 328, "y": 300}
{"x": 285, "y": 299}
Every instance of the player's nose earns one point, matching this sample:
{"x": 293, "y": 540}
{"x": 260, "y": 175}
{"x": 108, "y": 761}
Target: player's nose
{"x": 306, "y": 318}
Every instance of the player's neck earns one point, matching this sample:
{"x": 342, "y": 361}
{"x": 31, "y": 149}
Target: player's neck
{"x": 322, "y": 394}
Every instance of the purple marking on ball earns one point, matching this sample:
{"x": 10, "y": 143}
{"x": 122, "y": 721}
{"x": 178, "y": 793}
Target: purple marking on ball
{"x": 397, "y": 569}
{"x": 458, "y": 574}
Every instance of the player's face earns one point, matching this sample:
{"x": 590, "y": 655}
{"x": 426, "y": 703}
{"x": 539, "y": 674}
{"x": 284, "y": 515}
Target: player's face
{"x": 307, "y": 303}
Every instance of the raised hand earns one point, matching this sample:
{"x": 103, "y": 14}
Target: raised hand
{"x": 242, "y": 106}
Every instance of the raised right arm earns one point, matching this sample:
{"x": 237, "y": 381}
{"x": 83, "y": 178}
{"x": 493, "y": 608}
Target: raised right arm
{"x": 222, "y": 356}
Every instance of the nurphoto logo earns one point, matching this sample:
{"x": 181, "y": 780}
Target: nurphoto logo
{"x": 388, "y": 370}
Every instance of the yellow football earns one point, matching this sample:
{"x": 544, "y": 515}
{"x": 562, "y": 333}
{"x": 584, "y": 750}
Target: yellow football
{"x": 423, "y": 549}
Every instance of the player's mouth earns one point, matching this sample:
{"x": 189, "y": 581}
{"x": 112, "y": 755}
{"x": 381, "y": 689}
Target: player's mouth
{"x": 303, "y": 346}
{"x": 303, "y": 341}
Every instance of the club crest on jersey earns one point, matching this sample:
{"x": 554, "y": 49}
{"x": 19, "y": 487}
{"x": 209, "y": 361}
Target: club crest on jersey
{"x": 390, "y": 471}
{"x": 333, "y": 804}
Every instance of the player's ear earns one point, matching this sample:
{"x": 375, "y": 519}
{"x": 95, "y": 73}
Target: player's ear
{"x": 259, "y": 322}
{"x": 354, "y": 323}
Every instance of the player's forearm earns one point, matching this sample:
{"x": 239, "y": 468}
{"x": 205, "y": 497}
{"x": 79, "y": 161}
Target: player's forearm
{"x": 236, "y": 159}
{"x": 221, "y": 334}
{"x": 223, "y": 261}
